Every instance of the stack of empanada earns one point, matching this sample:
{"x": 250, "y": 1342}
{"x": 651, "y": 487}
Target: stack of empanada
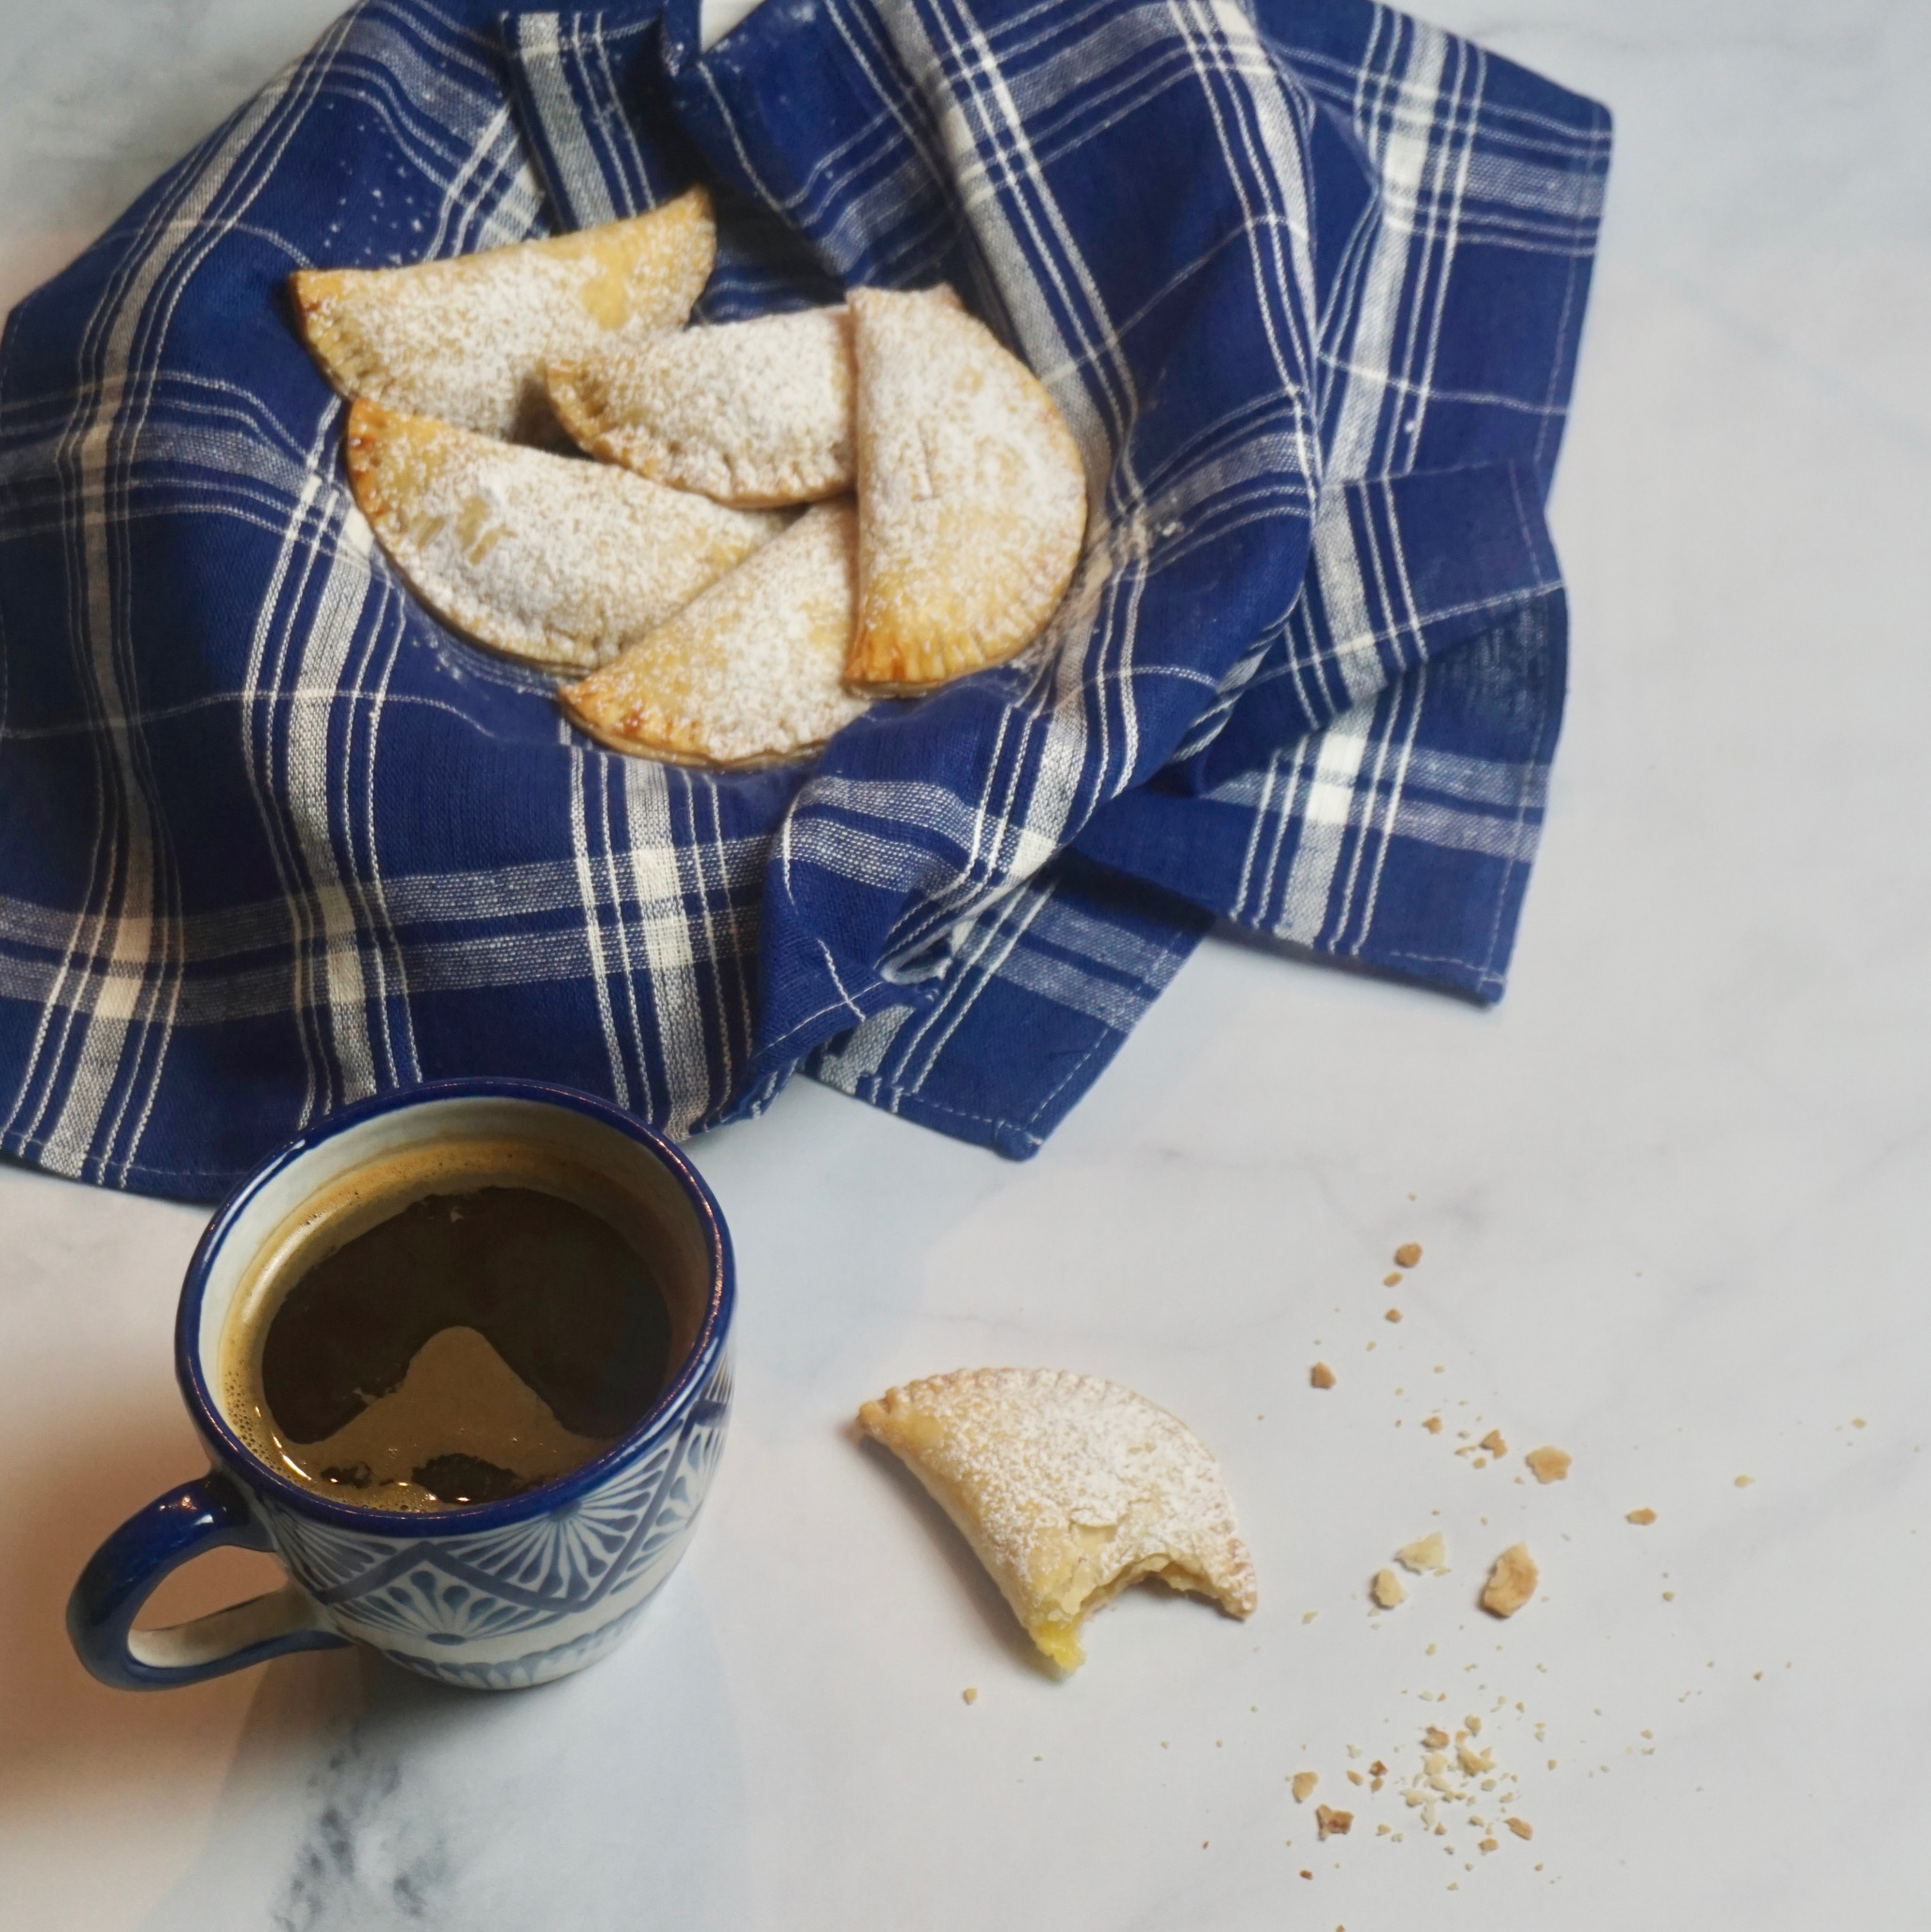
{"x": 715, "y": 626}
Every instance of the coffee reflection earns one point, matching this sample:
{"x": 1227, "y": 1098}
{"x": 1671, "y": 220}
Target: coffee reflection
{"x": 415, "y": 1345}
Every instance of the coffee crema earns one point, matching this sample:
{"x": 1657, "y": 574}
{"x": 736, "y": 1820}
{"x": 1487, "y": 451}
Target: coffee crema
{"x": 450, "y": 1325}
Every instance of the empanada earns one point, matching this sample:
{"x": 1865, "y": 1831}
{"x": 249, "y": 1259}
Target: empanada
{"x": 1068, "y": 1489}
{"x": 547, "y": 558}
{"x": 750, "y": 673}
{"x": 971, "y": 499}
{"x": 751, "y": 413}
{"x": 466, "y": 339}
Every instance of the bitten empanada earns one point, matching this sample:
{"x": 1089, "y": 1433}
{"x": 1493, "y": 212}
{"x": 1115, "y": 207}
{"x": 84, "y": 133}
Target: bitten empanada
{"x": 1068, "y": 1489}
{"x": 543, "y": 557}
{"x": 753, "y": 413}
{"x": 467, "y": 339}
{"x": 972, "y": 501}
{"x": 748, "y": 673}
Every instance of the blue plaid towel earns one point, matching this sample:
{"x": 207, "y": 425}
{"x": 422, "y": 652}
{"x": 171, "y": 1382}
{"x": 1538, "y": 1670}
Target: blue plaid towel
{"x": 1306, "y": 277}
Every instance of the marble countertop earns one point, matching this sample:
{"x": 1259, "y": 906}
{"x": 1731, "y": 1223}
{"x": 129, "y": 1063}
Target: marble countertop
{"x": 1672, "y": 1195}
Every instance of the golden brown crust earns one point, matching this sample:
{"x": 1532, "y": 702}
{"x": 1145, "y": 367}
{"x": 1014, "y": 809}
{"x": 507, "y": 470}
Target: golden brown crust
{"x": 1511, "y": 1582}
{"x": 466, "y": 339}
{"x": 547, "y": 559}
{"x": 972, "y": 499}
{"x": 748, "y": 672}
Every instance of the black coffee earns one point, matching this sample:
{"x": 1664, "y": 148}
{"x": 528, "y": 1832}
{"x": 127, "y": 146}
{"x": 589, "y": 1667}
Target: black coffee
{"x": 470, "y": 1345}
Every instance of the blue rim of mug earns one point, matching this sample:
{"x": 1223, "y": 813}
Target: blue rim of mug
{"x": 471, "y": 1518}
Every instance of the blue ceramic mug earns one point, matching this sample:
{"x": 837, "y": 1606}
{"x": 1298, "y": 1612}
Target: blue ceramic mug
{"x": 493, "y": 1595}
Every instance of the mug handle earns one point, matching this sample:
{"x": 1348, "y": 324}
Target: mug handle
{"x": 121, "y": 1574}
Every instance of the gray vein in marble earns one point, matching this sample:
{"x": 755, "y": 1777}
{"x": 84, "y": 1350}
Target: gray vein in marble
{"x": 371, "y": 1858}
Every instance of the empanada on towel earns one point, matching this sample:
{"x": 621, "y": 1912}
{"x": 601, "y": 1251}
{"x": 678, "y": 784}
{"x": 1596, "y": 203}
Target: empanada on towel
{"x": 751, "y": 413}
{"x": 547, "y": 558}
{"x": 751, "y": 672}
{"x": 971, "y": 500}
{"x": 466, "y": 340}
{"x": 1068, "y": 1489}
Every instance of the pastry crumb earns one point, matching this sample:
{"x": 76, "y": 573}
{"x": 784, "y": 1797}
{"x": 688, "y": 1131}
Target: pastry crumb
{"x": 1304, "y": 1783}
{"x": 1309, "y": 1616}
{"x": 1520, "y": 1827}
{"x": 1433, "y": 1425}
{"x": 1392, "y": 1280}
{"x": 1644, "y": 1516}
{"x": 970, "y": 1694}
{"x": 1408, "y": 1254}
{"x": 1493, "y": 1444}
{"x": 1321, "y": 1376}
{"x": 1435, "y": 1738}
{"x": 1744, "y": 1481}
{"x": 1549, "y": 1463}
{"x": 1488, "y": 1844}
{"x": 1387, "y": 1588}
{"x": 1511, "y": 1582}
{"x": 1334, "y": 1824}
{"x": 1394, "y": 1314}
{"x": 1354, "y": 1777}
{"x": 1429, "y": 1552}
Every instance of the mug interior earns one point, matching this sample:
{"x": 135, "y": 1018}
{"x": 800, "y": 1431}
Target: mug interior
{"x": 310, "y": 1194}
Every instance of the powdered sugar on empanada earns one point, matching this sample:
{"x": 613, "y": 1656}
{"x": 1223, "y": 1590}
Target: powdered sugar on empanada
{"x": 750, "y": 673}
{"x": 1070, "y": 1489}
{"x": 543, "y": 557}
{"x": 466, "y": 340}
{"x": 972, "y": 501}
{"x": 749, "y": 413}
